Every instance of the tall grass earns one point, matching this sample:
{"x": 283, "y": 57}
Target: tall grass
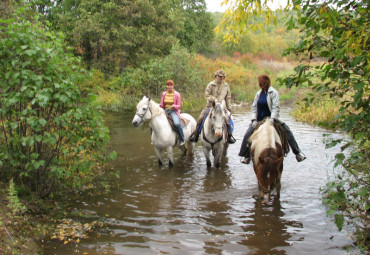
{"x": 321, "y": 112}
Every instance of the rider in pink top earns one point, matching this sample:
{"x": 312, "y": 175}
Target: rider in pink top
{"x": 171, "y": 103}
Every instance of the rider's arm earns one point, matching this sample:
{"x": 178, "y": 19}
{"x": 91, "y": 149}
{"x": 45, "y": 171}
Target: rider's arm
{"x": 209, "y": 96}
{"x": 254, "y": 106}
{"x": 228, "y": 99}
{"x": 177, "y": 101}
{"x": 275, "y": 105}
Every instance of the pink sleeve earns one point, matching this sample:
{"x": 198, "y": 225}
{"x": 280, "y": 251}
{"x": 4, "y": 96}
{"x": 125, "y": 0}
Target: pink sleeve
{"x": 177, "y": 101}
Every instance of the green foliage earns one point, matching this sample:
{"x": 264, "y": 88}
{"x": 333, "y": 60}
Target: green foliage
{"x": 15, "y": 206}
{"x": 51, "y": 134}
{"x": 196, "y": 33}
{"x": 113, "y": 35}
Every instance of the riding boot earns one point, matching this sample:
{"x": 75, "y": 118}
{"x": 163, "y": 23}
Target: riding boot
{"x": 195, "y": 135}
{"x": 230, "y": 138}
{"x": 247, "y": 156}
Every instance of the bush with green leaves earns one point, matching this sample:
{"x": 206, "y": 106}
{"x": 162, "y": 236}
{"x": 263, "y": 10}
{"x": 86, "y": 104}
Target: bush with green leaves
{"x": 50, "y": 132}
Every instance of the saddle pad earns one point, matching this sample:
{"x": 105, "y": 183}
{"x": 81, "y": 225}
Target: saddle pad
{"x": 183, "y": 121}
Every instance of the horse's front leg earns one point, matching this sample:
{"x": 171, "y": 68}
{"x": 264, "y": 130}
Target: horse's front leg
{"x": 265, "y": 197}
{"x": 206, "y": 154}
{"x": 278, "y": 188}
{"x": 170, "y": 155}
{"x": 159, "y": 155}
{"x": 218, "y": 154}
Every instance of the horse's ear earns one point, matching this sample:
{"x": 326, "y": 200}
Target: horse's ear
{"x": 214, "y": 103}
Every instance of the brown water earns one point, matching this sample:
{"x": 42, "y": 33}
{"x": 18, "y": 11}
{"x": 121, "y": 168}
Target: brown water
{"x": 190, "y": 209}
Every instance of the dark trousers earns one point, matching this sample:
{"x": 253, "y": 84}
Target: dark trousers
{"x": 245, "y": 150}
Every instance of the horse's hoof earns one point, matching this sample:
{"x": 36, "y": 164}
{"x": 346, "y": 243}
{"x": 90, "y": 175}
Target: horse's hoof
{"x": 218, "y": 165}
{"x": 265, "y": 201}
{"x": 209, "y": 164}
{"x": 170, "y": 164}
{"x": 160, "y": 162}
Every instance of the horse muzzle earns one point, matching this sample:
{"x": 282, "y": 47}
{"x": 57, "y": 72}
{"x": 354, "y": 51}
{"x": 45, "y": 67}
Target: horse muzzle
{"x": 136, "y": 122}
{"x": 218, "y": 134}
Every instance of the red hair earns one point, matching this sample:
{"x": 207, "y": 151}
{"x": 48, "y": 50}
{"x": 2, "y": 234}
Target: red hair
{"x": 170, "y": 82}
{"x": 264, "y": 80}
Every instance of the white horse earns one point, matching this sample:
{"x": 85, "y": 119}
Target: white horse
{"x": 163, "y": 136}
{"x": 214, "y": 134}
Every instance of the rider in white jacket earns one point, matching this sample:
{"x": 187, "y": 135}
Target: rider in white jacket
{"x": 267, "y": 104}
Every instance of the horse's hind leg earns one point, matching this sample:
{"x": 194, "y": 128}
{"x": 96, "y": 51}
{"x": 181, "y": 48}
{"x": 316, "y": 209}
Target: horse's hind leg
{"x": 189, "y": 148}
{"x": 183, "y": 149}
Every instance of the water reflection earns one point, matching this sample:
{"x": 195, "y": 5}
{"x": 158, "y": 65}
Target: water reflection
{"x": 268, "y": 229}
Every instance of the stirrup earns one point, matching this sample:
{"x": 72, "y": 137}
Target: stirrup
{"x": 231, "y": 139}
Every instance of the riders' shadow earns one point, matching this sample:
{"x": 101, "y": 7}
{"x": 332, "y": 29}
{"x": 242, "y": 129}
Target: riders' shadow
{"x": 267, "y": 229}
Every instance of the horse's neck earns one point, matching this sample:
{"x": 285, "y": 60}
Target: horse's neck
{"x": 159, "y": 122}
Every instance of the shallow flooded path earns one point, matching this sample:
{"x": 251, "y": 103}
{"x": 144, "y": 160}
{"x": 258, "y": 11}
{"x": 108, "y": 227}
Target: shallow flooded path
{"x": 190, "y": 209}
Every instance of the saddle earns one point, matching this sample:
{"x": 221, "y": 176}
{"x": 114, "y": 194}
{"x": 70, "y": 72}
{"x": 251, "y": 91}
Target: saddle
{"x": 281, "y": 132}
{"x": 183, "y": 121}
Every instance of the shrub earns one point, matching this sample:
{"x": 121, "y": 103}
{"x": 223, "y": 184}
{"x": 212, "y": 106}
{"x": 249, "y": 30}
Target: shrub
{"x": 51, "y": 133}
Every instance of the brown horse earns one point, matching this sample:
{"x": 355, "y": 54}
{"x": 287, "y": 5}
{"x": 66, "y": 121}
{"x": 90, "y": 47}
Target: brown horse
{"x": 267, "y": 156}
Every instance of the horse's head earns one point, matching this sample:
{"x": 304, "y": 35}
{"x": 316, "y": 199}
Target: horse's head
{"x": 217, "y": 118}
{"x": 143, "y": 112}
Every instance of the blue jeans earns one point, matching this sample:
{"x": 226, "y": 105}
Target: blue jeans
{"x": 176, "y": 123}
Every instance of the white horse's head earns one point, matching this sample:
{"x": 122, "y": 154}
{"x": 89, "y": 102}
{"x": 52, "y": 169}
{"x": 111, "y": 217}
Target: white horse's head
{"x": 217, "y": 118}
{"x": 143, "y": 112}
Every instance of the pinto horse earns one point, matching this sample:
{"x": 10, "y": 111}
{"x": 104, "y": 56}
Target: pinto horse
{"x": 267, "y": 155}
{"x": 163, "y": 136}
{"x": 214, "y": 134}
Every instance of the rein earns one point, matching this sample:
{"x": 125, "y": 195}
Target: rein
{"x": 212, "y": 144}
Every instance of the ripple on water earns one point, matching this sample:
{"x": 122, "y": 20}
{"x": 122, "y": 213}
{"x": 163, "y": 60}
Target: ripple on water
{"x": 190, "y": 209}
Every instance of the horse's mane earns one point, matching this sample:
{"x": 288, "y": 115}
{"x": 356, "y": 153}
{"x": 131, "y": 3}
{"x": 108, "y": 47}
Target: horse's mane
{"x": 219, "y": 108}
{"x": 155, "y": 108}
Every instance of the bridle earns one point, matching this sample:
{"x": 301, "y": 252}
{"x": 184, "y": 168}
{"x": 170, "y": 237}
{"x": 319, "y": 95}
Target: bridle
{"x": 218, "y": 140}
{"x": 141, "y": 115}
